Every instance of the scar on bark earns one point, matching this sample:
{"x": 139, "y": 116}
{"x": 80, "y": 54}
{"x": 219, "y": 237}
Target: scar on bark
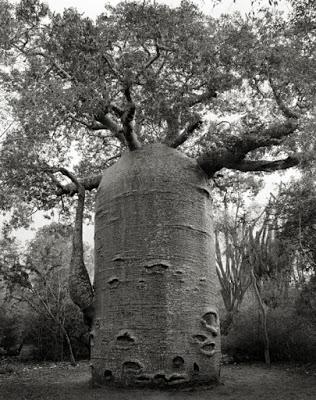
{"x": 210, "y": 322}
{"x": 80, "y": 288}
{"x": 125, "y": 339}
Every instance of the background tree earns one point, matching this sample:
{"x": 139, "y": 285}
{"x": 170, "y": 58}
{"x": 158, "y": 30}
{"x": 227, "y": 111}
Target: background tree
{"x": 38, "y": 278}
{"x": 295, "y": 206}
{"x": 231, "y": 238}
{"x": 285, "y": 302}
{"x": 12, "y": 328}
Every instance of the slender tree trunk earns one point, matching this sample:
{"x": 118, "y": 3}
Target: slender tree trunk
{"x": 12, "y": 352}
{"x": 56, "y": 342}
{"x": 263, "y": 312}
{"x": 227, "y": 322}
{"x": 71, "y": 353}
{"x": 61, "y": 344}
{"x": 60, "y": 325}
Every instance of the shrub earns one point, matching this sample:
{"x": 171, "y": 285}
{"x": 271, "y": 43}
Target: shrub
{"x": 11, "y": 332}
{"x": 48, "y": 341}
{"x": 292, "y": 336}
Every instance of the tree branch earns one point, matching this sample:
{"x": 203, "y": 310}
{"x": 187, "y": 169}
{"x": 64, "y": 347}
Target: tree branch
{"x": 103, "y": 121}
{"x": 61, "y": 70}
{"x": 70, "y": 175}
{"x": 282, "y": 106}
{"x": 186, "y": 133}
{"x": 116, "y": 110}
{"x": 59, "y": 185}
{"x": 268, "y": 166}
{"x": 111, "y": 65}
{"x": 108, "y": 123}
{"x": 155, "y": 58}
{"x": 94, "y": 126}
{"x": 171, "y": 116}
{"x": 173, "y": 138}
{"x": 89, "y": 183}
{"x": 232, "y": 153}
{"x": 127, "y": 119}
{"x": 209, "y": 94}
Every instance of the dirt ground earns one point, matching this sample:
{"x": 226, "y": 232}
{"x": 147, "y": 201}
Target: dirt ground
{"x": 239, "y": 382}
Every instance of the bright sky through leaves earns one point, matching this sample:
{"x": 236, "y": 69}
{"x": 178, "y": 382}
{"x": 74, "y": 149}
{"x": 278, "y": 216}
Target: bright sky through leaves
{"x": 93, "y": 8}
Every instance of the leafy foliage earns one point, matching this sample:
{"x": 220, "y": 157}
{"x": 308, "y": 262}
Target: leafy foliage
{"x": 296, "y": 211}
{"x": 292, "y": 335}
{"x": 38, "y": 278}
{"x": 69, "y": 74}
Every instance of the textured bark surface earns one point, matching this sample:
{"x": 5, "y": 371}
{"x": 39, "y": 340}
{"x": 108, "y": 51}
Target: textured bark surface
{"x": 155, "y": 281}
{"x": 80, "y": 288}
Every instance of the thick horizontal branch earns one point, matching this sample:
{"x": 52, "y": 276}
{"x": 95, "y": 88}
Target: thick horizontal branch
{"x": 69, "y": 175}
{"x": 79, "y": 186}
{"x": 265, "y": 137}
{"x": 93, "y": 126}
{"x": 89, "y": 183}
{"x": 268, "y": 166}
{"x": 232, "y": 153}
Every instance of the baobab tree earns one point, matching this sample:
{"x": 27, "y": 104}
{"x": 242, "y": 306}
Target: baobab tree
{"x": 130, "y": 95}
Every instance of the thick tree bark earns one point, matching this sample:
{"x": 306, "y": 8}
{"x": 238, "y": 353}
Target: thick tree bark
{"x": 129, "y": 134}
{"x": 127, "y": 116}
{"x": 156, "y": 286}
{"x": 80, "y": 288}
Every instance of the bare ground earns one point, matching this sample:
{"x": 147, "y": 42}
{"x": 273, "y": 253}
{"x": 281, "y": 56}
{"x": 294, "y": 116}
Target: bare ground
{"x": 239, "y": 382}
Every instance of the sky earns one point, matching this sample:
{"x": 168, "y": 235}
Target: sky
{"x": 92, "y": 8}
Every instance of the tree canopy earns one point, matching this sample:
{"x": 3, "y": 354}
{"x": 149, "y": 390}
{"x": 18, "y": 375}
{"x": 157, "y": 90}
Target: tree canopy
{"x": 82, "y": 91}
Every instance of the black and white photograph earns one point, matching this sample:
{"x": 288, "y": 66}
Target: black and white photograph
{"x": 157, "y": 199}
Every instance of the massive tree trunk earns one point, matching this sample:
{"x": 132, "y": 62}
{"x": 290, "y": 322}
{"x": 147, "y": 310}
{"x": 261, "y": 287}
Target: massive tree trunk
{"x": 156, "y": 287}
